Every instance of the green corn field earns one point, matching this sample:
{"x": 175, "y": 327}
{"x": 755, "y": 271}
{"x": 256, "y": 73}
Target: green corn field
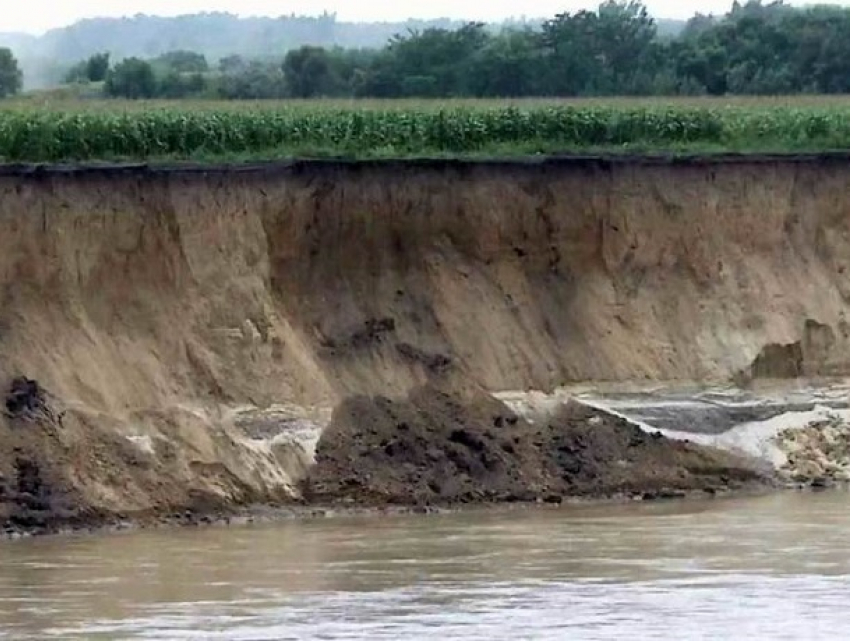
{"x": 181, "y": 131}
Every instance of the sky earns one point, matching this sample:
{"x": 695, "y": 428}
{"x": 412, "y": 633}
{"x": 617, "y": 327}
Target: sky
{"x": 37, "y": 16}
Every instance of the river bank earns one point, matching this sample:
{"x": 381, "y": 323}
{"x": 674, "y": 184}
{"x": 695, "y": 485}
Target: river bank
{"x": 440, "y": 451}
{"x": 259, "y": 515}
{"x": 197, "y": 339}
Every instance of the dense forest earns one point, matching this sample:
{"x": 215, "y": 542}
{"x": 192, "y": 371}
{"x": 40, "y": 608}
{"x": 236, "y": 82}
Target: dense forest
{"x": 617, "y": 49}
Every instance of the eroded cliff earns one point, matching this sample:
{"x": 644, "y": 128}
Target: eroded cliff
{"x": 194, "y": 327}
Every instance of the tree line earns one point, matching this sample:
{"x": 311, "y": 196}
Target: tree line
{"x": 616, "y": 49}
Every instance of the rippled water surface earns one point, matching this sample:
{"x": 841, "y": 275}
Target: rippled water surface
{"x": 775, "y": 567}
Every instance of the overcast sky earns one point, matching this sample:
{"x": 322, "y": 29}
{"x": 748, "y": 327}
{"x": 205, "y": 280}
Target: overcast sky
{"x": 36, "y": 16}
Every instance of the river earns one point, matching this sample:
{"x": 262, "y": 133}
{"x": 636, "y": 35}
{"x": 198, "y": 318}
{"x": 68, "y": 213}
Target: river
{"x": 768, "y": 567}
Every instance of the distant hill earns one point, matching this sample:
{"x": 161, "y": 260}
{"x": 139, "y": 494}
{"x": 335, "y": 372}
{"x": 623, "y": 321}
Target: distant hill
{"x": 214, "y": 34}
{"x": 20, "y": 43}
{"x": 45, "y": 59}
{"x": 218, "y": 34}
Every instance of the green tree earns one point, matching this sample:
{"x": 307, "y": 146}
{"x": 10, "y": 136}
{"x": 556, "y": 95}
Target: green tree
{"x": 94, "y": 69}
{"x": 625, "y": 38}
{"x": 11, "y": 78}
{"x": 701, "y": 66}
{"x": 501, "y": 68}
{"x": 756, "y": 48}
{"x": 308, "y": 72}
{"x": 572, "y": 61}
{"x": 608, "y": 51}
{"x": 131, "y": 78}
{"x": 432, "y": 63}
{"x": 182, "y": 61}
{"x": 249, "y": 80}
{"x": 77, "y": 73}
{"x": 97, "y": 67}
{"x": 176, "y": 85}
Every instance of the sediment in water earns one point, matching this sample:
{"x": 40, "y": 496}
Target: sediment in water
{"x": 164, "y": 310}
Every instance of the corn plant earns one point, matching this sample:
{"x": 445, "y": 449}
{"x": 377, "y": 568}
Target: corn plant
{"x": 45, "y": 135}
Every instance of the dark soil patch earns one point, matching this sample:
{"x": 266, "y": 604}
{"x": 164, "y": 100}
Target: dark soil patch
{"x": 440, "y": 446}
{"x": 25, "y": 398}
{"x": 435, "y": 363}
{"x": 372, "y": 332}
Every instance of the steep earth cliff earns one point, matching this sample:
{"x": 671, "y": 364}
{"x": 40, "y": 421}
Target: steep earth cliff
{"x": 190, "y": 330}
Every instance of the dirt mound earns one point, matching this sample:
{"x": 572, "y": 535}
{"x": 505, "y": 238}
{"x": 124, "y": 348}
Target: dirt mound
{"x": 440, "y": 446}
{"x": 34, "y": 490}
{"x": 79, "y": 469}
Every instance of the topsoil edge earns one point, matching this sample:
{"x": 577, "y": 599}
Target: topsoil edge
{"x": 588, "y": 161}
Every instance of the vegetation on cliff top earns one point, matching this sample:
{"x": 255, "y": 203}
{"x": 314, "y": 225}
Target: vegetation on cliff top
{"x": 211, "y": 132}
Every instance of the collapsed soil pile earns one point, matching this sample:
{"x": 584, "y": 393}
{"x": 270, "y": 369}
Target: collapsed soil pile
{"x": 65, "y": 469}
{"x": 32, "y": 496}
{"x": 441, "y": 446}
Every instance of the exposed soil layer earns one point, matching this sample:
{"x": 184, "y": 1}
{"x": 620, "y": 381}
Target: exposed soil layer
{"x": 441, "y": 446}
{"x": 150, "y": 306}
{"x": 283, "y": 167}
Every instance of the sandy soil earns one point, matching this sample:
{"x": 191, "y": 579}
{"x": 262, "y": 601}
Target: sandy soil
{"x": 194, "y": 329}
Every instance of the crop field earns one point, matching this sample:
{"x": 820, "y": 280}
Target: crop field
{"x": 48, "y": 130}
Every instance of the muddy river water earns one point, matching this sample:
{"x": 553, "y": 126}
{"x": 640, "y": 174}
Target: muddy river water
{"x": 767, "y": 567}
